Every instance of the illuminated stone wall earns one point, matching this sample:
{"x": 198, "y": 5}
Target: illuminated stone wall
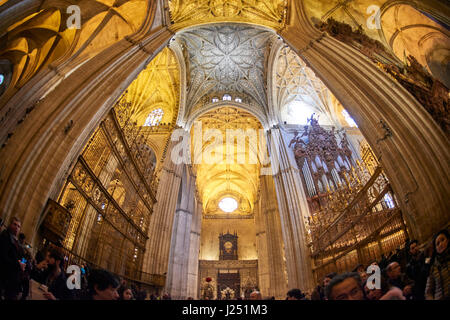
{"x": 211, "y": 228}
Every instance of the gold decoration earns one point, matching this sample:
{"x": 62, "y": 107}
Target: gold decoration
{"x": 157, "y": 87}
{"x": 269, "y": 13}
{"x": 368, "y": 157}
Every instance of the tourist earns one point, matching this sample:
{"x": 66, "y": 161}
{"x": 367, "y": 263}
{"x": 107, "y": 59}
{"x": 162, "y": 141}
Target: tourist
{"x": 102, "y": 285}
{"x": 386, "y": 292}
{"x": 11, "y": 263}
{"x": 255, "y": 295}
{"x": 125, "y": 293}
{"x": 39, "y": 272}
{"x": 319, "y": 292}
{"x": 166, "y": 296}
{"x": 346, "y": 286}
{"x": 418, "y": 269}
{"x": 364, "y": 276}
{"x": 359, "y": 269}
{"x": 438, "y": 284}
{"x": 57, "y": 280}
{"x": 400, "y": 280}
{"x": 26, "y": 274}
{"x": 295, "y": 294}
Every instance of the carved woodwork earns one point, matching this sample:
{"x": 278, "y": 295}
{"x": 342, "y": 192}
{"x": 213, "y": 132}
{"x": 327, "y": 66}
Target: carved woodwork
{"x": 57, "y": 220}
{"x": 430, "y": 92}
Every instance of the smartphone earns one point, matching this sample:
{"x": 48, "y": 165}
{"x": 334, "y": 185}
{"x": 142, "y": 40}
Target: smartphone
{"x": 24, "y": 260}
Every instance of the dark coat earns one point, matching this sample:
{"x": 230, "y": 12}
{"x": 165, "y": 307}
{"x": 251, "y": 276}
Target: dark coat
{"x": 59, "y": 289}
{"x": 418, "y": 271}
{"x": 10, "y": 254}
{"x": 10, "y": 270}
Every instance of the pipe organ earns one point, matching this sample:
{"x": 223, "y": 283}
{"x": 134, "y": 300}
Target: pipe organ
{"x": 354, "y": 217}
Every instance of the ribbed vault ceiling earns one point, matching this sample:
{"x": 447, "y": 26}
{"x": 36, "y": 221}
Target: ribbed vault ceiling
{"x": 226, "y": 59}
{"x": 228, "y": 178}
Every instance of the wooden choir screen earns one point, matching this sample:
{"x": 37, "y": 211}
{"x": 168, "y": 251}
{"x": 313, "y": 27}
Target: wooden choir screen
{"x": 110, "y": 197}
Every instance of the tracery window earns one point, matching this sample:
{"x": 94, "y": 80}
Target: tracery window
{"x": 349, "y": 119}
{"x": 389, "y": 201}
{"x": 2, "y": 79}
{"x": 154, "y": 118}
{"x": 299, "y": 112}
{"x": 228, "y": 205}
{"x": 215, "y": 100}
{"x": 227, "y": 97}
{"x": 238, "y": 100}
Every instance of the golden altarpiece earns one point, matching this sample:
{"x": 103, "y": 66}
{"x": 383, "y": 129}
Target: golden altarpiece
{"x": 108, "y": 200}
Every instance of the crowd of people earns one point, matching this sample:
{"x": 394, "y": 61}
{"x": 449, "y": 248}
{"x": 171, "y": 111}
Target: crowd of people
{"x": 20, "y": 272}
{"x": 409, "y": 274}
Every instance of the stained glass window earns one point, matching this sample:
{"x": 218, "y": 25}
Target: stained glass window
{"x": 227, "y": 97}
{"x": 389, "y": 201}
{"x": 154, "y": 118}
{"x": 2, "y": 79}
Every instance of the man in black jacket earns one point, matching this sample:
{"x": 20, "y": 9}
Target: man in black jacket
{"x": 418, "y": 269}
{"x": 11, "y": 266}
{"x": 57, "y": 280}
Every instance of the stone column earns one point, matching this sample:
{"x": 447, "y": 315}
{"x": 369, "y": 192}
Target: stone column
{"x": 194, "y": 251}
{"x": 269, "y": 238}
{"x": 160, "y": 230}
{"x": 271, "y": 217}
{"x": 293, "y": 206}
{"x": 177, "y": 275}
{"x": 262, "y": 251}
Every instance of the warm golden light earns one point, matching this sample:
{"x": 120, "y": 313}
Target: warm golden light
{"x": 228, "y": 177}
{"x": 270, "y": 13}
{"x": 156, "y": 91}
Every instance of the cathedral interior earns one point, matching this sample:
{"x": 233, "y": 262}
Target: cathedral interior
{"x": 208, "y": 148}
